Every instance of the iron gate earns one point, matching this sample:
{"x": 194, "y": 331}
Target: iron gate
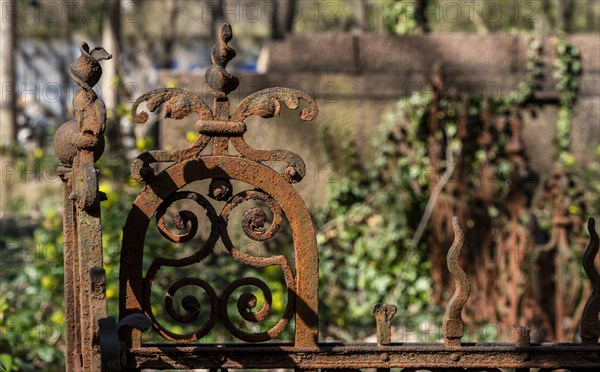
{"x": 95, "y": 341}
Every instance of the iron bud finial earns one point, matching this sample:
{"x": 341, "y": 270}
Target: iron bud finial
{"x": 219, "y": 81}
{"x": 86, "y": 70}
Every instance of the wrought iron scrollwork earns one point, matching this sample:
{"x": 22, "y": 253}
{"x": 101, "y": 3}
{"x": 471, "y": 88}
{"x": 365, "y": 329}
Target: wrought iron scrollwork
{"x": 182, "y": 219}
{"x": 253, "y": 219}
{"x": 265, "y": 103}
{"x": 246, "y": 303}
{"x": 271, "y": 190}
{"x": 94, "y": 340}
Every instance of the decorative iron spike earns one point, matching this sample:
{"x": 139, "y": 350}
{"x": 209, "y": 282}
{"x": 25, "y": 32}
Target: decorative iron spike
{"x": 221, "y": 82}
{"x": 590, "y": 325}
{"x": 384, "y": 313}
{"x": 453, "y": 324}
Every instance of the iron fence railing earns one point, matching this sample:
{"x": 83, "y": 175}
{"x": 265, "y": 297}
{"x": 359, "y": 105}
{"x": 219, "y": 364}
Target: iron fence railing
{"x": 95, "y": 341}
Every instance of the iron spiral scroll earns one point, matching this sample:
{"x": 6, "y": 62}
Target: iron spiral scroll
{"x": 195, "y": 163}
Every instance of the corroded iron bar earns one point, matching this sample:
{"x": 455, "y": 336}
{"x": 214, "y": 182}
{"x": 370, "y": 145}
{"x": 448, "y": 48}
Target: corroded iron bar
{"x": 337, "y": 356}
{"x": 590, "y": 325}
{"x": 453, "y": 324}
{"x": 70, "y": 262}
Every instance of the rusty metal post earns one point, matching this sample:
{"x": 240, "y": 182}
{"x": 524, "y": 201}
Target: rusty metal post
{"x": 523, "y": 334}
{"x": 78, "y": 144}
{"x": 384, "y": 313}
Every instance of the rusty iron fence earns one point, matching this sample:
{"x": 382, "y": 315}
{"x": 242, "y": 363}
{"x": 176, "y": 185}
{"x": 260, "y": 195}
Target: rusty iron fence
{"x": 95, "y": 341}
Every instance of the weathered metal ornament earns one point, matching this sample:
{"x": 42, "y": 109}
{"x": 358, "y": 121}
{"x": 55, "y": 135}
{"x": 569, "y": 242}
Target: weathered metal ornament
{"x": 96, "y": 342}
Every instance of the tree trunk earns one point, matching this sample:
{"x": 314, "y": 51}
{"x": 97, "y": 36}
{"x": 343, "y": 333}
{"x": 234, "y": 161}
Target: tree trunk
{"x": 290, "y": 15}
{"x": 218, "y": 18}
{"x": 111, "y": 41}
{"x": 276, "y": 31}
{"x": 170, "y": 34}
{"x": 566, "y": 12}
{"x": 544, "y": 26}
{"x": 8, "y": 133}
{"x": 421, "y": 15}
{"x": 282, "y": 20}
{"x": 360, "y": 20}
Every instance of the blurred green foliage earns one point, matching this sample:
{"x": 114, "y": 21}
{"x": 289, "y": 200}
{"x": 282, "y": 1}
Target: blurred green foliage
{"x": 31, "y": 294}
{"x": 367, "y": 252}
{"x": 365, "y": 239}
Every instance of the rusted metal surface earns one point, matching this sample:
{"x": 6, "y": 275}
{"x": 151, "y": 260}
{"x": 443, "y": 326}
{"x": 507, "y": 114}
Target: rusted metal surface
{"x": 343, "y": 356}
{"x": 590, "y": 325}
{"x": 523, "y": 335}
{"x": 193, "y": 164}
{"x": 384, "y": 313}
{"x": 78, "y": 144}
{"x": 453, "y": 324}
{"x": 96, "y": 342}
{"x": 561, "y": 192}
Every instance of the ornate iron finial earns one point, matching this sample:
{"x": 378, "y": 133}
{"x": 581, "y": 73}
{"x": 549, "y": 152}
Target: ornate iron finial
{"x": 85, "y": 132}
{"x": 590, "y": 325}
{"x": 218, "y": 125}
{"x": 453, "y": 323}
{"x": 86, "y": 70}
{"x": 219, "y": 81}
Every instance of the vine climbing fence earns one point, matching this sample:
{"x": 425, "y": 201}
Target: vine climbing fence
{"x": 219, "y": 173}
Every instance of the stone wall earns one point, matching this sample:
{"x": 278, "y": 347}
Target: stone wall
{"x": 357, "y": 78}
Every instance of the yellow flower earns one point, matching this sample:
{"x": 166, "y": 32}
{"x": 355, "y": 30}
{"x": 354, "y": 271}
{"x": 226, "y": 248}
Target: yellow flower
{"x": 573, "y": 209}
{"x": 141, "y": 144}
{"x": 47, "y": 282}
{"x": 111, "y": 293}
{"x": 191, "y": 136}
{"x": 105, "y": 187}
{"x": 38, "y": 153}
{"x": 58, "y": 317}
